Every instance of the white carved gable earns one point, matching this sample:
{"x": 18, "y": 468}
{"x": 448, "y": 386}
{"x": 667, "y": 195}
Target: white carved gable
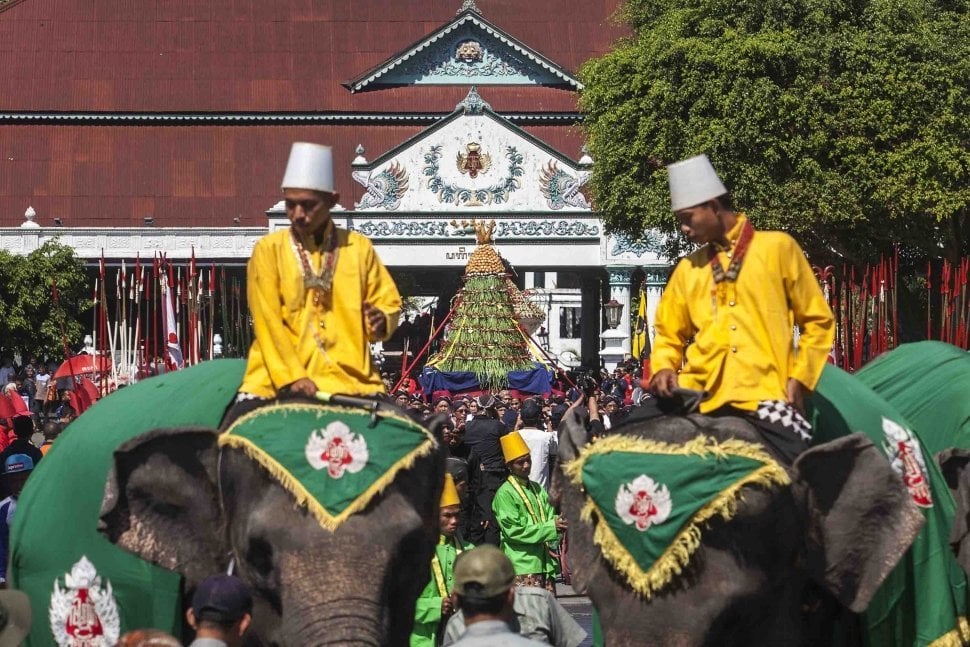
{"x": 466, "y": 50}
{"x": 473, "y": 161}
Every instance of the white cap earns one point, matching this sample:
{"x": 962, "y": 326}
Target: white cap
{"x": 693, "y": 182}
{"x": 310, "y": 167}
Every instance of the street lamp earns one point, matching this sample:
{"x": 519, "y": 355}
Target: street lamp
{"x": 613, "y": 310}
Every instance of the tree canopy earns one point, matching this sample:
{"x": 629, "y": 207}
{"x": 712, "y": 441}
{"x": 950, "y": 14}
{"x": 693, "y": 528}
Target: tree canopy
{"x": 30, "y": 320}
{"x": 844, "y": 122}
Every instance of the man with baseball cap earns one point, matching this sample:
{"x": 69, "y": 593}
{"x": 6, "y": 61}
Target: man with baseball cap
{"x": 221, "y": 612}
{"x": 318, "y": 295}
{"x": 737, "y": 299}
{"x": 527, "y": 523}
{"x": 485, "y": 592}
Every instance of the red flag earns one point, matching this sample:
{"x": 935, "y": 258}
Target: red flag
{"x": 6, "y": 408}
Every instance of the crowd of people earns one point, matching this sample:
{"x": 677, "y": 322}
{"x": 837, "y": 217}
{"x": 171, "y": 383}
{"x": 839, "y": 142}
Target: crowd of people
{"x": 502, "y": 452}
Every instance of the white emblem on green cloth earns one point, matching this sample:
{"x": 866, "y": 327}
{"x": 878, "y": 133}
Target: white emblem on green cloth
{"x": 649, "y": 502}
{"x": 643, "y": 502}
{"x": 337, "y": 449}
{"x": 333, "y": 460}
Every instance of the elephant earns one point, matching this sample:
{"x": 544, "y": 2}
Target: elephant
{"x": 843, "y": 522}
{"x": 177, "y": 499}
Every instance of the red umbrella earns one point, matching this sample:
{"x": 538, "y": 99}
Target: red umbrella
{"x": 19, "y": 406}
{"x": 87, "y": 394}
{"x": 81, "y": 364}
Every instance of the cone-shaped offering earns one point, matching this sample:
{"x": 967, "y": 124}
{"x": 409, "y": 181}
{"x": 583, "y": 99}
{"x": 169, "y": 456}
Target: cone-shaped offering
{"x": 484, "y": 337}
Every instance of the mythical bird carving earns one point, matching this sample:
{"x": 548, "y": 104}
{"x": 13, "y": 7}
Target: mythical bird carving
{"x": 384, "y": 189}
{"x": 561, "y": 189}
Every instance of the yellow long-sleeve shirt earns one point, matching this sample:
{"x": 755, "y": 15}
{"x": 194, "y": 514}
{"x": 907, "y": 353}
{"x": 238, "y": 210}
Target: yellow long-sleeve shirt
{"x": 290, "y": 328}
{"x": 743, "y": 349}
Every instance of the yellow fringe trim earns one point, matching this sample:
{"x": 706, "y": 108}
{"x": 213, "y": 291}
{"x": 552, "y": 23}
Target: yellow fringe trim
{"x": 295, "y": 487}
{"x": 958, "y": 637}
{"x": 678, "y": 553}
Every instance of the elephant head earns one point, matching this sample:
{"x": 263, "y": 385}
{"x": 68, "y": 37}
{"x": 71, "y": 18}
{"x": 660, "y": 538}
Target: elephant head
{"x": 844, "y": 522}
{"x": 177, "y": 499}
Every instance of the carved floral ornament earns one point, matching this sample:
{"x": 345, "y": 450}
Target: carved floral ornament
{"x": 503, "y": 229}
{"x": 497, "y": 193}
{"x": 471, "y": 59}
{"x": 647, "y": 242}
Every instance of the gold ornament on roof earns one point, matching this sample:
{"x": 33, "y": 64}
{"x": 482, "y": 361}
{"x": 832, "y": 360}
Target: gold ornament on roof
{"x": 474, "y": 161}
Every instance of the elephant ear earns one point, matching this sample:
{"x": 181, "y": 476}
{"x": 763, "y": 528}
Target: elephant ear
{"x": 954, "y": 463}
{"x": 161, "y": 501}
{"x": 861, "y": 518}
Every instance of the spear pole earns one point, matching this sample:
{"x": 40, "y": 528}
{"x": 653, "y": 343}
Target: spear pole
{"x": 417, "y": 357}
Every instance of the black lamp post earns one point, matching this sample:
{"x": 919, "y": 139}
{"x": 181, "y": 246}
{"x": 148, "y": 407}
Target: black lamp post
{"x": 613, "y": 310}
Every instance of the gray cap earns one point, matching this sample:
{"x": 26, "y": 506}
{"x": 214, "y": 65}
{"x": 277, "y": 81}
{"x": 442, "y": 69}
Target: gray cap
{"x": 483, "y": 572}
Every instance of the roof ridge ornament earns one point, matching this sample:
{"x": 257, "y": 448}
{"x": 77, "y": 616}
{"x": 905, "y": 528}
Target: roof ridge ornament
{"x": 473, "y": 104}
{"x": 468, "y": 5}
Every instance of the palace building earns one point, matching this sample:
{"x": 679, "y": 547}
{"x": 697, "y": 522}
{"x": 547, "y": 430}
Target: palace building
{"x": 163, "y": 126}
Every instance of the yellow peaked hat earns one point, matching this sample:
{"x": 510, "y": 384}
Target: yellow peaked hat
{"x": 449, "y": 495}
{"x": 513, "y": 446}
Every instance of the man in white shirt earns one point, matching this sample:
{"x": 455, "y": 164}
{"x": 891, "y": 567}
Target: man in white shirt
{"x": 543, "y": 445}
{"x": 43, "y": 381}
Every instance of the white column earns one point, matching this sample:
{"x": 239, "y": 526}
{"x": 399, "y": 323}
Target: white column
{"x": 656, "y": 279}
{"x": 620, "y": 290}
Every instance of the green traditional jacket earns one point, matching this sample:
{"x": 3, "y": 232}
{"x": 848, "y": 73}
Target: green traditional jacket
{"x": 527, "y": 525}
{"x": 427, "y": 611}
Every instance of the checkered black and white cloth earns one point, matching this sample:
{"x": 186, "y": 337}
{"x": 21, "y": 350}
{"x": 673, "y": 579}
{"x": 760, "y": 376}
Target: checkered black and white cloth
{"x": 780, "y": 414}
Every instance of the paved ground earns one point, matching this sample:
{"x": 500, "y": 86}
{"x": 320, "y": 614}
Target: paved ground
{"x": 579, "y": 607}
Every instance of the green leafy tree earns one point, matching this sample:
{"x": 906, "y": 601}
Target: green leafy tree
{"x": 30, "y": 320}
{"x": 844, "y": 122}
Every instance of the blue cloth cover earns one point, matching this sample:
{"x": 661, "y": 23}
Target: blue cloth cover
{"x": 536, "y": 380}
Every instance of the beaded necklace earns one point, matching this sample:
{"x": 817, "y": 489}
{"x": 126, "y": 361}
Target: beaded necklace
{"x": 737, "y": 256}
{"x": 321, "y": 283}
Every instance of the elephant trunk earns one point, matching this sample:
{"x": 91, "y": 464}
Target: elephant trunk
{"x": 336, "y": 622}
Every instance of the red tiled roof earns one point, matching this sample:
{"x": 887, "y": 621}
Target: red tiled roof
{"x": 264, "y": 55}
{"x": 102, "y": 176}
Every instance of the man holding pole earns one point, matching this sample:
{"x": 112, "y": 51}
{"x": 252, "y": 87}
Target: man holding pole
{"x": 318, "y": 294}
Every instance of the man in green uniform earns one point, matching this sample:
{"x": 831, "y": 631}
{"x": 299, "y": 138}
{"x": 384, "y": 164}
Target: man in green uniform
{"x": 527, "y": 522}
{"x": 435, "y": 606}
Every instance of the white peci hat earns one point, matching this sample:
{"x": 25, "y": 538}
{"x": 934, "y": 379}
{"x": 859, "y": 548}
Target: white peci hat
{"x": 310, "y": 167}
{"x": 692, "y": 182}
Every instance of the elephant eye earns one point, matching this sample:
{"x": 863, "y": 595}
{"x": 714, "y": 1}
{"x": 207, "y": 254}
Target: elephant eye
{"x": 259, "y": 555}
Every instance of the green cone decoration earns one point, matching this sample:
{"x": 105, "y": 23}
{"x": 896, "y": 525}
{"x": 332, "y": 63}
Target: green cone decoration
{"x": 484, "y": 336}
